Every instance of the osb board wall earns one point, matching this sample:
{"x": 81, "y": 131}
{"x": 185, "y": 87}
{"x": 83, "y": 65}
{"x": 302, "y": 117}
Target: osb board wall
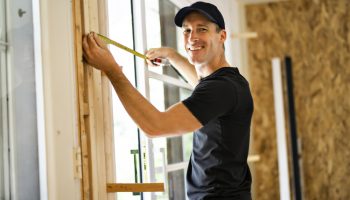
{"x": 316, "y": 34}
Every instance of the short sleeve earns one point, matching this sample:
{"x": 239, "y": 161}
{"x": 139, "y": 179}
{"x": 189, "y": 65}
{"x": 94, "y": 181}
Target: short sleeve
{"x": 211, "y": 99}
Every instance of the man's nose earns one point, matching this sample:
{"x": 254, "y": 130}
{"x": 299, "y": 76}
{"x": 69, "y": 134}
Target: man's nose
{"x": 193, "y": 36}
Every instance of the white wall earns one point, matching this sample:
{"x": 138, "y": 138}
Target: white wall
{"x": 60, "y": 109}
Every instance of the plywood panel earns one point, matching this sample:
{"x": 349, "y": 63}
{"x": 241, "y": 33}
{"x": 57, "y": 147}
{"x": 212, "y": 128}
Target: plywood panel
{"x": 315, "y": 33}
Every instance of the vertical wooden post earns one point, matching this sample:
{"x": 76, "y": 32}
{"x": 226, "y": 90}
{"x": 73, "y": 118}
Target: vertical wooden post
{"x": 82, "y": 104}
{"x": 94, "y": 106}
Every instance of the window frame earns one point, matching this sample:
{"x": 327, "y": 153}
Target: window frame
{"x": 4, "y": 156}
{"x": 144, "y": 75}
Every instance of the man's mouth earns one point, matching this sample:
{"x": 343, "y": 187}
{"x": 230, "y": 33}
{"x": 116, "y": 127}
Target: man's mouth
{"x": 195, "y": 48}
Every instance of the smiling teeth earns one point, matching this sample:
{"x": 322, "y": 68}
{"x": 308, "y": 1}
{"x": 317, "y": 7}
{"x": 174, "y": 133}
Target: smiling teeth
{"x": 195, "y": 48}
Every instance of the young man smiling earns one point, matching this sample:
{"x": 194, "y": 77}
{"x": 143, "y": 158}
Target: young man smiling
{"x": 219, "y": 110}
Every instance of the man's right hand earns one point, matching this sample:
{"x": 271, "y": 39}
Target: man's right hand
{"x": 162, "y": 52}
{"x": 176, "y": 60}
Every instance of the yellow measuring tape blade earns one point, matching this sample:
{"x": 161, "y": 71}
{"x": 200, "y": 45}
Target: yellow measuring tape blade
{"x": 109, "y": 41}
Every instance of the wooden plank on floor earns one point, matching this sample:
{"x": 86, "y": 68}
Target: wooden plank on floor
{"x": 135, "y": 187}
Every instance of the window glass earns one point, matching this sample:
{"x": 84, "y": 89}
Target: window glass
{"x": 125, "y": 131}
{"x": 173, "y": 150}
{"x": 170, "y": 155}
{"x": 153, "y": 28}
{"x": 161, "y": 154}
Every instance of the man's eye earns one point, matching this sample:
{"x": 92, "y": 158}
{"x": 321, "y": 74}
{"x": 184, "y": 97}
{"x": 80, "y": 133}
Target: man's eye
{"x": 187, "y": 31}
{"x": 202, "y": 29}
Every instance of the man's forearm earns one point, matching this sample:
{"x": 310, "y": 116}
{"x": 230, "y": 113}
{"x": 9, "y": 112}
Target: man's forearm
{"x": 141, "y": 111}
{"x": 184, "y": 67}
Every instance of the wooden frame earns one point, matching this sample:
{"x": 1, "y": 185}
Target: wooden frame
{"x": 94, "y": 109}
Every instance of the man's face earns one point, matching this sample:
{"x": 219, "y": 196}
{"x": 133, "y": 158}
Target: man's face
{"x": 202, "y": 41}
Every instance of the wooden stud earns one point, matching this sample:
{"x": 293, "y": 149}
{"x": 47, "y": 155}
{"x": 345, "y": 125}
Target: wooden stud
{"x": 82, "y": 101}
{"x": 245, "y": 35}
{"x": 253, "y": 158}
{"x": 108, "y": 149}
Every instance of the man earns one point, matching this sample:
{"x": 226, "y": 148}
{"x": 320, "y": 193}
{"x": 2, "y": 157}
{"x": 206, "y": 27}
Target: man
{"x": 219, "y": 110}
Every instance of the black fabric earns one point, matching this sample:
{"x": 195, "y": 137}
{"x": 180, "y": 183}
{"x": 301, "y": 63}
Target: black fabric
{"x": 218, "y": 166}
{"x": 207, "y": 9}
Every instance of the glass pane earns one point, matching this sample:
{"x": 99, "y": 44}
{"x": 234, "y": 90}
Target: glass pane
{"x": 159, "y": 144}
{"x": 125, "y": 131}
{"x": 176, "y": 179}
{"x": 153, "y": 28}
{"x": 172, "y": 150}
{"x": 161, "y": 30}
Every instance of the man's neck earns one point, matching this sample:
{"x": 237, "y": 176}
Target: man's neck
{"x": 206, "y": 69}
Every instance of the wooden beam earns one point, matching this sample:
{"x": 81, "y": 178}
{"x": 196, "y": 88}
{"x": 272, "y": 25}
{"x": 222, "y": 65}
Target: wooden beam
{"x": 253, "y": 158}
{"x": 135, "y": 187}
{"x": 108, "y": 148}
{"x": 244, "y": 35}
{"x": 93, "y": 106}
{"x": 82, "y": 104}
{"x": 250, "y": 2}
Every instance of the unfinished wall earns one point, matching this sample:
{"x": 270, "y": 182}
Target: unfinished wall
{"x": 316, "y": 34}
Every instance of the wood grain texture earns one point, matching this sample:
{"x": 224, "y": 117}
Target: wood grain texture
{"x": 93, "y": 106}
{"x": 82, "y": 104}
{"x": 135, "y": 187}
{"x": 316, "y": 34}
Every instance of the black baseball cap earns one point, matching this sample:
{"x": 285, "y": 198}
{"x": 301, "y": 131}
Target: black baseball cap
{"x": 207, "y": 9}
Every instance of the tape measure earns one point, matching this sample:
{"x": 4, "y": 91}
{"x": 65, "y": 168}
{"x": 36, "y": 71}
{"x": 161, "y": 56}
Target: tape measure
{"x": 157, "y": 61}
{"x": 109, "y": 41}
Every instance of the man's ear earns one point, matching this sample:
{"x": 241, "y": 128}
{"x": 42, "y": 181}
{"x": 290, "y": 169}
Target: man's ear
{"x": 223, "y": 35}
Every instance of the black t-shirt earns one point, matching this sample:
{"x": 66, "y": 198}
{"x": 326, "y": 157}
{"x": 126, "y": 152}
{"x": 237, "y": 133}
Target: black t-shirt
{"x": 218, "y": 167}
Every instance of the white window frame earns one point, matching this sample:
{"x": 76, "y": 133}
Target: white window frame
{"x": 4, "y": 105}
{"x": 5, "y": 128}
{"x": 39, "y": 88}
{"x": 144, "y": 75}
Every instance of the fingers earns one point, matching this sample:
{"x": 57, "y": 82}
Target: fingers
{"x": 99, "y": 42}
{"x": 150, "y": 63}
{"x": 85, "y": 44}
{"x": 86, "y": 50}
{"x": 91, "y": 41}
{"x": 152, "y": 54}
{"x": 90, "y": 48}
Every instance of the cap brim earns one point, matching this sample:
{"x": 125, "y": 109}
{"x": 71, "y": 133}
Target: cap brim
{"x": 180, "y": 16}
